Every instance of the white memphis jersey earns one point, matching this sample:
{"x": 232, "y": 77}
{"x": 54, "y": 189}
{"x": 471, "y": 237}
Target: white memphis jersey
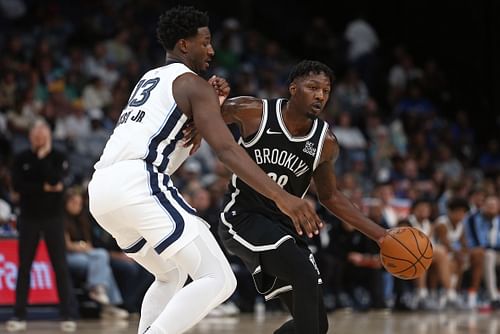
{"x": 150, "y": 126}
{"x": 453, "y": 234}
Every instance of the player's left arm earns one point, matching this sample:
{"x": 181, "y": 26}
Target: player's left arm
{"x": 334, "y": 200}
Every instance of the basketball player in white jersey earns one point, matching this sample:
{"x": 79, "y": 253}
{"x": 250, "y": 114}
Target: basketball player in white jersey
{"x": 132, "y": 196}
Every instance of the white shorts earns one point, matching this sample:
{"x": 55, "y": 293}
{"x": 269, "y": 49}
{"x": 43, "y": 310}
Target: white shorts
{"x": 138, "y": 205}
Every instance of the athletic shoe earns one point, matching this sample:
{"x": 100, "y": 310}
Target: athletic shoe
{"x": 16, "y": 325}
{"x": 68, "y": 325}
{"x": 98, "y": 294}
{"x": 113, "y": 312}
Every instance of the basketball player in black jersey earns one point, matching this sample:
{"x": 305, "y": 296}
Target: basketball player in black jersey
{"x": 292, "y": 145}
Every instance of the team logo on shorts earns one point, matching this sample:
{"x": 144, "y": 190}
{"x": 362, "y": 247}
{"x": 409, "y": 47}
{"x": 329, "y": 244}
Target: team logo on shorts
{"x": 309, "y": 148}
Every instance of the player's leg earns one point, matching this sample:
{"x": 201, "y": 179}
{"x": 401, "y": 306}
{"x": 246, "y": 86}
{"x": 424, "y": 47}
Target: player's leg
{"x": 168, "y": 280}
{"x": 490, "y": 274}
{"x": 476, "y": 265}
{"x": 213, "y": 282}
{"x": 289, "y": 326}
{"x": 289, "y": 263}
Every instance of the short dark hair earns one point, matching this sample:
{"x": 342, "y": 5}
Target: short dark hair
{"x": 179, "y": 22}
{"x": 305, "y": 67}
{"x": 457, "y": 203}
{"x": 421, "y": 200}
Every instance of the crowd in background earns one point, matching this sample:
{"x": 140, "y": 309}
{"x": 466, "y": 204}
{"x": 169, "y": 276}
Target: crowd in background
{"x": 403, "y": 160}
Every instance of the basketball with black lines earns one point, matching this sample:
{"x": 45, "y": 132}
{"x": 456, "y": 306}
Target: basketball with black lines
{"x": 406, "y": 252}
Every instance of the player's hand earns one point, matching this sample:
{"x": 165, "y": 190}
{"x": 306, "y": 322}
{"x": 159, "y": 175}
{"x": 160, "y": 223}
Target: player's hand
{"x": 221, "y": 87}
{"x": 191, "y": 136}
{"x": 301, "y": 213}
{"x": 380, "y": 238}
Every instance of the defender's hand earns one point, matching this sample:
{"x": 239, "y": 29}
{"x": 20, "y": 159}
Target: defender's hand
{"x": 191, "y": 136}
{"x": 221, "y": 87}
{"x": 301, "y": 213}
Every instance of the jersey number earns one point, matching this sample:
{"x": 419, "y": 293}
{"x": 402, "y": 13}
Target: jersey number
{"x": 280, "y": 180}
{"x": 145, "y": 87}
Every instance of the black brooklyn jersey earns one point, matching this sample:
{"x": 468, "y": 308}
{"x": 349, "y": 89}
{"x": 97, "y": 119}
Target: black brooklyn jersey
{"x": 289, "y": 161}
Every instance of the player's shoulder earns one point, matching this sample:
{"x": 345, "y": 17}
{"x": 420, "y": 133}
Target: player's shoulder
{"x": 244, "y": 102}
{"x": 330, "y": 144}
{"x": 169, "y": 70}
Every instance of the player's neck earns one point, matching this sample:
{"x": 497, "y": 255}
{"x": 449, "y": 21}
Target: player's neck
{"x": 172, "y": 57}
{"x": 297, "y": 123}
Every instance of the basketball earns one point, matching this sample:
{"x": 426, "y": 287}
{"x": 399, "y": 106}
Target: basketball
{"x": 406, "y": 252}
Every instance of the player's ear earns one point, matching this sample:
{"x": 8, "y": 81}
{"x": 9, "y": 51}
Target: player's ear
{"x": 182, "y": 45}
{"x": 292, "y": 88}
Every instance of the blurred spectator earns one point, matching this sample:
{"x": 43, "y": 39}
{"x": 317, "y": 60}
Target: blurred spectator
{"x": 400, "y": 74}
{"x": 414, "y": 104}
{"x": 8, "y": 91}
{"x": 420, "y": 219}
{"x": 448, "y": 164}
{"x": 450, "y": 234}
{"x": 351, "y": 96}
{"x": 483, "y": 231}
{"x": 476, "y": 199}
{"x": 118, "y": 50}
{"x": 385, "y": 194}
{"x": 38, "y": 175}
{"x": 351, "y": 140}
{"x": 463, "y": 136}
{"x": 319, "y": 40}
{"x": 88, "y": 263}
{"x": 489, "y": 161}
{"x": 364, "y": 267}
{"x": 362, "y": 46}
{"x": 96, "y": 95}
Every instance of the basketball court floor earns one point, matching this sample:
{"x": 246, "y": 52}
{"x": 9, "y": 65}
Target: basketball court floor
{"x": 340, "y": 322}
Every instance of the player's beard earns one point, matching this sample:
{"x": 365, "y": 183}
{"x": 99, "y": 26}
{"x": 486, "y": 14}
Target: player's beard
{"x": 311, "y": 116}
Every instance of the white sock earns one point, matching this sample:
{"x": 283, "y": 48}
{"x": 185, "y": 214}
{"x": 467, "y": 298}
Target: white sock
{"x": 422, "y": 293}
{"x": 451, "y": 294}
{"x": 453, "y": 280}
{"x": 472, "y": 299}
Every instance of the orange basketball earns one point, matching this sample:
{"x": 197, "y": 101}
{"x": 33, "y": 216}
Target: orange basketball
{"x": 406, "y": 252}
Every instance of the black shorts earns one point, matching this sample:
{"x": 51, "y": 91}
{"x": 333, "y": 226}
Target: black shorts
{"x": 246, "y": 235}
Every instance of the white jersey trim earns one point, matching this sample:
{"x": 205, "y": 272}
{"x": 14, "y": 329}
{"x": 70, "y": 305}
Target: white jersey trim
{"x": 262, "y": 127}
{"x": 285, "y": 130}
{"x": 237, "y": 237}
{"x": 321, "y": 143}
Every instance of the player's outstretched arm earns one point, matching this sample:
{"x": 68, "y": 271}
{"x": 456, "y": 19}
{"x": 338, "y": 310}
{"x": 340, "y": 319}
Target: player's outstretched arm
{"x": 193, "y": 93}
{"x": 334, "y": 200}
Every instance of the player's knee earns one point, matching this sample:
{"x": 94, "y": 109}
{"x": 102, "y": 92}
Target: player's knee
{"x": 100, "y": 253}
{"x": 307, "y": 275}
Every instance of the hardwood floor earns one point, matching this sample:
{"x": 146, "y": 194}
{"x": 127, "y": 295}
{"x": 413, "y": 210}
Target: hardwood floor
{"x": 340, "y": 323}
